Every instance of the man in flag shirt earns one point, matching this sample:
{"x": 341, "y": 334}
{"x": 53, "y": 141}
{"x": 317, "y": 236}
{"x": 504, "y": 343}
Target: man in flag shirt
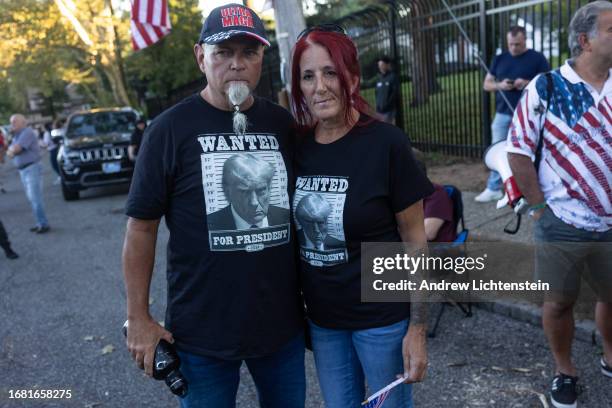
{"x": 567, "y": 115}
{"x": 233, "y": 292}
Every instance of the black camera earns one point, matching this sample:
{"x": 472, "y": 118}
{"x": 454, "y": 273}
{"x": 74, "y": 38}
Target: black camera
{"x": 166, "y": 364}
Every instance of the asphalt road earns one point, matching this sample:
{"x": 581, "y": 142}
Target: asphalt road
{"x": 62, "y": 305}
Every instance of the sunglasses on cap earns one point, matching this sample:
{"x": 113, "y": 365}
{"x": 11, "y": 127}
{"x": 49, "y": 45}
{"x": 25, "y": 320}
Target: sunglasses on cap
{"x": 329, "y": 28}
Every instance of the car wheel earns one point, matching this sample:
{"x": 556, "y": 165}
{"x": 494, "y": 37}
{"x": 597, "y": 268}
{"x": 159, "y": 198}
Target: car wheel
{"x": 69, "y": 195}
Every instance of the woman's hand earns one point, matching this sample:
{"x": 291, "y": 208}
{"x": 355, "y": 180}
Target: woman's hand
{"x": 414, "y": 346}
{"x": 414, "y": 352}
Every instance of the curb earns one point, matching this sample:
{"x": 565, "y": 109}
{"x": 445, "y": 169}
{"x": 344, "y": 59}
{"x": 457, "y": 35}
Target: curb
{"x": 585, "y": 330}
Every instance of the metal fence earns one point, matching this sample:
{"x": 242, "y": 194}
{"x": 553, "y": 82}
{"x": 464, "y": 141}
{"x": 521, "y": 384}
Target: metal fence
{"x": 443, "y": 107}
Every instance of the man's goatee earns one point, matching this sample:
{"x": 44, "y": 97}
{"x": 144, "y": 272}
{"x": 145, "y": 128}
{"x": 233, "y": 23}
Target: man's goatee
{"x": 237, "y": 93}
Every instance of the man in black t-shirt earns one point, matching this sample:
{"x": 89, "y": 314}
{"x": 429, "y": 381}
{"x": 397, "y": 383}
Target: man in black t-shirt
{"x": 136, "y": 138}
{"x": 218, "y": 169}
{"x": 387, "y": 90}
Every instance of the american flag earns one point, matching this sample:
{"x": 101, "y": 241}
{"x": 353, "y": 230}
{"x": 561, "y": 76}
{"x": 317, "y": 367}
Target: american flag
{"x": 378, "y": 398}
{"x": 377, "y": 402}
{"x": 150, "y": 22}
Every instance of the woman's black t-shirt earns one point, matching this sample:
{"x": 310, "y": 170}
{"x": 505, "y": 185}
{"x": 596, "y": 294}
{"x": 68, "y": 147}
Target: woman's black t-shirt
{"x": 348, "y": 192}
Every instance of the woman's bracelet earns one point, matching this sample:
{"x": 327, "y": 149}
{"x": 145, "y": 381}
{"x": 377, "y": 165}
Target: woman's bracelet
{"x": 535, "y": 208}
{"x": 538, "y": 206}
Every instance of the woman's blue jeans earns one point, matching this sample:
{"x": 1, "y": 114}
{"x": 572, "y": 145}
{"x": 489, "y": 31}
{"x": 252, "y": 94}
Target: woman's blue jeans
{"x": 345, "y": 359}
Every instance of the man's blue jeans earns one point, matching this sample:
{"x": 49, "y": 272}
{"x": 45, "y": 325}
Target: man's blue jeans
{"x": 499, "y": 131}
{"x": 344, "y": 357}
{"x": 31, "y": 178}
{"x": 279, "y": 378}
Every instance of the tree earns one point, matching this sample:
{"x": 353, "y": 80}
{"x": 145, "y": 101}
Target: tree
{"x": 169, "y": 63}
{"x": 289, "y": 20}
{"x": 50, "y": 54}
{"x": 330, "y": 10}
{"x": 423, "y": 59}
{"x": 28, "y": 57}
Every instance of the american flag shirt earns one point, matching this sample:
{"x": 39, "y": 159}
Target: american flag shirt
{"x": 575, "y": 171}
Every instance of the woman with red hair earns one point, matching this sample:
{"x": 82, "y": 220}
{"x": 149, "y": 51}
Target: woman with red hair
{"x": 357, "y": 181}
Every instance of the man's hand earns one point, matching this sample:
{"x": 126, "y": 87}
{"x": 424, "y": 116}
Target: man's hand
{"x": 505, "y": 85}
{"x": 526, "y": 178}
{"x": 414, "y": 351}
{"x": 520, "y": 83}
{"x": 142, "y": 338}
{"x": 138, "y": 259}
{"x": 132, "y": 152}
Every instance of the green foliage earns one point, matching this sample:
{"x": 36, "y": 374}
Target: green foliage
{"x": 330, "y": 10}
{"x": 170, "y": 63}
{"x": 28, "y": 54}
{"x": 41, "y": 50}
{"x": 451, "y": 116}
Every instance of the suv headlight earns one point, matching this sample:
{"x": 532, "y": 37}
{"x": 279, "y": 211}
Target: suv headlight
{"x": 70, "y": 155}
{"x": 69, "y": 160}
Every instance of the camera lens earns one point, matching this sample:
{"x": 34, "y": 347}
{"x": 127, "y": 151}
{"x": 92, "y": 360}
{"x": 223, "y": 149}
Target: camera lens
{"x": 177, "y": 383}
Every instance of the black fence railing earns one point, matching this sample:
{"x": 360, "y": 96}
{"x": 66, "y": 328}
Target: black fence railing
{"x": 443, "y": 107}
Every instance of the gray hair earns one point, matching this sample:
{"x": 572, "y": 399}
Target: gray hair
{"x": 585, "y": 22}
{"x": 312, "y": 206}
{"x": 18, "y": 117}
{"x": 246, "y": 168}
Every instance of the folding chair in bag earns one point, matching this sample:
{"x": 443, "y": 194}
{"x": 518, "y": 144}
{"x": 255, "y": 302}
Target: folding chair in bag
{"x": 459, "y": 243}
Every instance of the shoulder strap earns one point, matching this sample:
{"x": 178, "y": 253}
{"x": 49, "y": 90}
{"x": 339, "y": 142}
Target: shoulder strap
{"x": 549, "y": 91}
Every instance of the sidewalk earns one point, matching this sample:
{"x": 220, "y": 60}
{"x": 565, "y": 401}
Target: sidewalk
{"x": 486, "y": 223}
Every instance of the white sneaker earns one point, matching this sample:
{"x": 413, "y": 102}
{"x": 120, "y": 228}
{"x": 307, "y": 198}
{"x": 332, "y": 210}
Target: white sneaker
{"x": 489, "y": 195}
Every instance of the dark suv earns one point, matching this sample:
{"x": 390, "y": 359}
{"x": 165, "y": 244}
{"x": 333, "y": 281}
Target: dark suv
{"x": 94, "y": 149}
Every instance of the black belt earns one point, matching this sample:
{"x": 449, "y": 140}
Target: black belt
{"x": 25, "y": 166}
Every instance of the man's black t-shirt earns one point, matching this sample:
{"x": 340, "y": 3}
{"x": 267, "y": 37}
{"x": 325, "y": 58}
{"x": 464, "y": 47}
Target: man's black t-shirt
{"x": 136, "y": 139}
{"x": 232, "y": 289}
{"x": 387, "y": 91}
{"x": 348, "y": 192}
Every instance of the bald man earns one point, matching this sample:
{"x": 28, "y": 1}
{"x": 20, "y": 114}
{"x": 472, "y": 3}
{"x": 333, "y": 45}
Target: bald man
{"x": 312, "y": 212}
{"x": 246, "y": 184}
{"x": 25, "y": 152}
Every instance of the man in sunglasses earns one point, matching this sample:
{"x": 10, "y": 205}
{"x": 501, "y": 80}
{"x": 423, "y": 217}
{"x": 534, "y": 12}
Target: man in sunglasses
{"x": 233, "y": 292}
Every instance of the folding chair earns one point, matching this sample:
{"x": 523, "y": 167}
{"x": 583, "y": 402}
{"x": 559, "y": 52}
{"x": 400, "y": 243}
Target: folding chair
{"x": 456, "y": 197}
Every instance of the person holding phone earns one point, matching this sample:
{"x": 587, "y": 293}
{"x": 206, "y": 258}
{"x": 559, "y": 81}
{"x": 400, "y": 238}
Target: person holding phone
{"x": 510, "y": 73}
